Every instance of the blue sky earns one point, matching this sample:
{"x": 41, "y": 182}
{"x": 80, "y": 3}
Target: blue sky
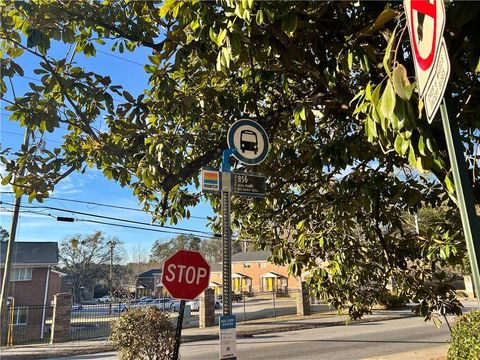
{"x": 126, "y": 70}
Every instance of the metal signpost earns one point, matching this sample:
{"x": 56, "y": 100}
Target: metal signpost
{"x": 426, "y": 22}
{"x": 186, "y": 274}
{"x": 248, "y": 142}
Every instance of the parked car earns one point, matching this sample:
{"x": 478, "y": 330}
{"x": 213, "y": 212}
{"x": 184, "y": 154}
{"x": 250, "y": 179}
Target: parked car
{"x": 163, "y": 303}
{"x": 104, "y": 299}
{"x": 77, "y": 307}
{"x": 195, "y": 304}
{"x": 175, "y": 305}
{"x": 145, "y": 298}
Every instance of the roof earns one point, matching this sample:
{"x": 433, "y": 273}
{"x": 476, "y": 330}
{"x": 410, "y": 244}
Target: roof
{"x": 216, "y": 267}
{"x": 150, "y": 273}
{"x": 251, "y": 256}
{"x": 272, "y": 274}
{"x": 240, "y": 275}
{"x": 31, "y": 253}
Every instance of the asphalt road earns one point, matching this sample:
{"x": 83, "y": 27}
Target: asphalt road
{"x": 355, "y": 341}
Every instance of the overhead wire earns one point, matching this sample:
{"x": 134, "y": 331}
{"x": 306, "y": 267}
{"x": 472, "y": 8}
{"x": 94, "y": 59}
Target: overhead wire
{"x": 103, "y": 205}
{"x": 110, "y": 218}
{"x": 112, "y": 224}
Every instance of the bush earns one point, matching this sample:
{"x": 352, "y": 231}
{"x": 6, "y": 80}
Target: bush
{"x": 143, "y": 333}
{"x": 392, "y": 301}
{"x": 465, "y": 342}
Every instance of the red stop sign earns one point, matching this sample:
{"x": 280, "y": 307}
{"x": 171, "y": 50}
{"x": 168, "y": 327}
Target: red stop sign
{"x": 186, "y": 274}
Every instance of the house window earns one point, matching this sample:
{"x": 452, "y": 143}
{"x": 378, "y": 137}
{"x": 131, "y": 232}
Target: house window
{"x": 21, "y": 274}
{"x": 20, "y": 316}
{"x": 263, "y": 265}
{"x": 246, "y": 265}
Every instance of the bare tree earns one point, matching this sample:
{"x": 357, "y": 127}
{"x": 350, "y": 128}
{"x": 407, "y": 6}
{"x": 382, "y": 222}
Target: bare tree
{"x": 80, "y": 257}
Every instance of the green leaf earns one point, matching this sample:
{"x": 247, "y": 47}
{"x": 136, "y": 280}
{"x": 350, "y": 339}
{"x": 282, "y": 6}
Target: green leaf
{"x": 166, "y": 7}
{"x": 6, "y": 179}
{"x": 128, "y": 96}
{"x": 402, "y": 86}
{"x": 300, "y": 225}
{"x": 401, "y": 145}
{"x": 421, "y": 145}
{"x": 387, "y": 106}
{"x": 259, "y": 17}
{"x": 289, "y": 22}
{"x": 221, "y": 37}
{"x": 449, "y": 185}
{"x": 371, "y": 129}
{"x": 212, "y": 35}
{"x": 388, "y": 52}
{"x": 412, "y": 159}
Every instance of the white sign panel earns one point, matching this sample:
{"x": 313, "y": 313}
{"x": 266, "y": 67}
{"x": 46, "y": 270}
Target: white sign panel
{"x": 436, "y": 87}
{"x": 228, "y": 337}
{"x": 426, "y": 22}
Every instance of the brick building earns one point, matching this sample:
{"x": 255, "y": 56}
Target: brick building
{"x": 252, "y": 272}
{"x": 33, "y": 283}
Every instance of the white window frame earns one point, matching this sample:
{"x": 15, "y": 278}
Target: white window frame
{"x": 18, "y": 312}
{"x": 25, "y": 272}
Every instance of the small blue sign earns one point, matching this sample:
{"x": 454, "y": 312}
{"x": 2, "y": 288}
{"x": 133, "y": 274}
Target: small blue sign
{"x": 248, "y": 141}
{"x": 228, "y": 322}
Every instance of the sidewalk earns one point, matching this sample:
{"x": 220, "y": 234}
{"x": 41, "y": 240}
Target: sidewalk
{"x": 247, "y": 329}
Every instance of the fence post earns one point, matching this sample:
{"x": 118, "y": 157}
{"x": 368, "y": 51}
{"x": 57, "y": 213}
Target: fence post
{"x": 244, "y": 308}
{"x": 61, "y": 320}
{"x": 206, "y": 311}
{"x": 274, "y": 308}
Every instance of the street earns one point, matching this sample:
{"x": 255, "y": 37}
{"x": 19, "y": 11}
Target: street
{"x": 355, "y": 341}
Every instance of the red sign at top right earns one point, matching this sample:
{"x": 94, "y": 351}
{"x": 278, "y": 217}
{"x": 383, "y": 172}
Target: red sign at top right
{"x": 426, "y": 22}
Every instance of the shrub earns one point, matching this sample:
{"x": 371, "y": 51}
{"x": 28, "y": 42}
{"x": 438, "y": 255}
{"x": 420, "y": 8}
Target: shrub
{"x": 143, "y": 333}
{"x": 465, "y": 341}
{"x": 392, "y": 301}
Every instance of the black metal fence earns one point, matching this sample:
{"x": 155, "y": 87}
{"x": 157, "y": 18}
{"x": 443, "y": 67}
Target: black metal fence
{"x": 29, "y": 324}
{"x": 94, "y": 321}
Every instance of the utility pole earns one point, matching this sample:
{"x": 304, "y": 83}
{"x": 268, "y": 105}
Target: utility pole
{"x": 9, "y": 250}
{"x": 111, "y": 244}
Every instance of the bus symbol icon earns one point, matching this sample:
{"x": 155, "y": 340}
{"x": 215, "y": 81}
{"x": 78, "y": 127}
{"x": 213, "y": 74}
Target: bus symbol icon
{"x": 248, "y": 141}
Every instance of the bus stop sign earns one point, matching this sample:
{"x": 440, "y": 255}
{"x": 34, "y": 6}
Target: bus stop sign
{"x": 248, "y": 141}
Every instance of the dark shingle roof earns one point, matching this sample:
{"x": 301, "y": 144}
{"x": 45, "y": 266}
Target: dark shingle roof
{"x": 30, "y": 252}
{"x": 150, "y": 273}
{"x": 251, "y": 256}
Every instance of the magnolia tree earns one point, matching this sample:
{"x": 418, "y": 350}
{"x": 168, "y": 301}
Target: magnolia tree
{"x": 331, "y": 82}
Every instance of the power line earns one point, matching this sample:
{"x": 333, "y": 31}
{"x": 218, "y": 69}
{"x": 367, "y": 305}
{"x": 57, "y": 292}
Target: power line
{"x": 103, "y": 205}
{"x": 120, "y": 58}
{"x": 111, "y": 224}
{"x": 19, "y": 134}
{"x": 124, "y": 226}
{"x": 112, "y": 218}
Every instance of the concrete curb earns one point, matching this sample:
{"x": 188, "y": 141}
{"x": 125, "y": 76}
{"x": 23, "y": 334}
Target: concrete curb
{"x": 94, "y": 347}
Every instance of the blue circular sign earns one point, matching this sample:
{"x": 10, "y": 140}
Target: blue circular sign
{"x": 249, "y": 141}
